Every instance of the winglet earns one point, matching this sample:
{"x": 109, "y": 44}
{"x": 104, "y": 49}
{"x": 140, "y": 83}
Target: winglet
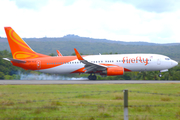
{"x": 59, "y": 54}
{"x": 78, "y": 55}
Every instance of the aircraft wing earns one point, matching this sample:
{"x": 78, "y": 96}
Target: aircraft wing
{"x": 88, "y": 65}
{"x": 15, "y": 60}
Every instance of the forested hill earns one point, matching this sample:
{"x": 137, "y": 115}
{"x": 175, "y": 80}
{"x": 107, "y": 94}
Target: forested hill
{"x": 77, "y": 38}
{"x": 86, "y": 45}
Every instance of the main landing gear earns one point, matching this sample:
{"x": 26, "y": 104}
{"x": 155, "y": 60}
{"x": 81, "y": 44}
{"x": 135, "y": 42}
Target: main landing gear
{"x": 92, "y": 77}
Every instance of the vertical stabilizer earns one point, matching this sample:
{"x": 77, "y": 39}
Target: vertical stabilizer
{"x": 19, "y": 48}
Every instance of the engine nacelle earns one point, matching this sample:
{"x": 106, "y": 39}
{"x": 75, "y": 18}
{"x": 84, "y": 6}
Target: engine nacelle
{"x": 115, "y": 71}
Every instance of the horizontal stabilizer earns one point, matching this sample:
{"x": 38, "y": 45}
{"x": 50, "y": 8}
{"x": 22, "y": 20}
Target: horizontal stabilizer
{"x": 15, "y": 60}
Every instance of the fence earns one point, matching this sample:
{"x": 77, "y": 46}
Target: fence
{"x": 66, "y": 103}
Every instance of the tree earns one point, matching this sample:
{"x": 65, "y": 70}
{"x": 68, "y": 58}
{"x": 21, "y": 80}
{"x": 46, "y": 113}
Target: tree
{"x": 1, "y": 76}
{"x": 176, "y": 75}
{"x": 52, "y": 54}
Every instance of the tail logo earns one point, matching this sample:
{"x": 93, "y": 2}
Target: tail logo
{"x": 18, "y": 40}
{"x": 24, "y": 55}
{"x": 23, "y": 51}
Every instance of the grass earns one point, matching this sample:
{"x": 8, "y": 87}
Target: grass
{"x": 165, "y": 99}
{"x": 90, "y": 102}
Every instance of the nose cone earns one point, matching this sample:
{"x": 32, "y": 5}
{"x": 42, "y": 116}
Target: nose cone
{"x": 174, "y": 63}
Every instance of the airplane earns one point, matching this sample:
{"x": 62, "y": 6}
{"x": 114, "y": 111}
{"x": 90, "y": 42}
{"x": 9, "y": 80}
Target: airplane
{"x": 105, "y": 65}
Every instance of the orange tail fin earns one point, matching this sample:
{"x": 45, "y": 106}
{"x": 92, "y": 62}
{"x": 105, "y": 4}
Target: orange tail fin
{"x": 19, "y": 48}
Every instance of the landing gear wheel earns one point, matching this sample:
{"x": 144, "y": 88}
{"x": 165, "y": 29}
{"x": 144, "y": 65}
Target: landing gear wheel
{"x": 160, "y": 75}
{"x": 92, "y": 77}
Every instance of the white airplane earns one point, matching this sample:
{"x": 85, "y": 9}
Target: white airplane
{"x": 105, "y": 65}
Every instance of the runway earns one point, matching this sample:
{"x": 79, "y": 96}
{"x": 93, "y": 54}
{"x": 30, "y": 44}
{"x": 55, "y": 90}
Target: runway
{"x": 47, "y": 82}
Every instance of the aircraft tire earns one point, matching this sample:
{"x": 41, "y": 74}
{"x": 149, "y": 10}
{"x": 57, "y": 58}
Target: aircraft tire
{"x": 160, "y": 75}
{"x": 92, "y": 77}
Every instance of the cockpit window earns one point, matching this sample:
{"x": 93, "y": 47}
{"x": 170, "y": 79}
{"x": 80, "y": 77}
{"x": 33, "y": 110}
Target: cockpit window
{"x": 167, "y": 58}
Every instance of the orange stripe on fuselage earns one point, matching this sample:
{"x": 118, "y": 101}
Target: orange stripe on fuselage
{"x": 31, "y": 64}
{"x": 108, "y": 64}
{"x": 81, "y": 70}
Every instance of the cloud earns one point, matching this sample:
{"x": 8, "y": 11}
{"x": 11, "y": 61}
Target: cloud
{"x": 68, "y": 2}
{"x": 30, "y": 4}
{"x": 158, "y": 6}
{"x": 107, "y": 19}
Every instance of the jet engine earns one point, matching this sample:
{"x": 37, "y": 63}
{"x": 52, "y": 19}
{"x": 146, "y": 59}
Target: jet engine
{"x": 112, "y": 71}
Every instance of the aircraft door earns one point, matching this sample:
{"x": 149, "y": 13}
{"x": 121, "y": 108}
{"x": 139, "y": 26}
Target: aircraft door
{"x": 158, "y": 61}
{"x": 38, "y": 62}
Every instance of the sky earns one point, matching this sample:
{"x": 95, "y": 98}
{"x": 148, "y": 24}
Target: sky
{"x": 155, "y": 21}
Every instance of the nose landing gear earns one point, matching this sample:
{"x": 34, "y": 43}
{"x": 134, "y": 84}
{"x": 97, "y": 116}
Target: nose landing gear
{"x": 160, "y": 74}
{"x": 92, "y": 77}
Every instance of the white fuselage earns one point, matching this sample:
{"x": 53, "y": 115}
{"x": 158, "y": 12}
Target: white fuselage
{"x": 130, "y": 62}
